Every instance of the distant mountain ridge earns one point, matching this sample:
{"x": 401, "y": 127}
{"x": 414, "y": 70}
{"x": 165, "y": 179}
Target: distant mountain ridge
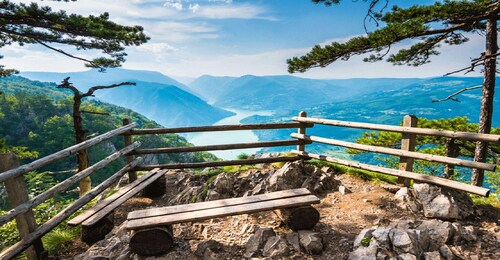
{"x": 155, "y": 95}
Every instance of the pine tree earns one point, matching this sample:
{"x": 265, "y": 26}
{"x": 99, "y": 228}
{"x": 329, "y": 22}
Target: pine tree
{"x": 429, "y": 26}
{"x": 23, "y": 24}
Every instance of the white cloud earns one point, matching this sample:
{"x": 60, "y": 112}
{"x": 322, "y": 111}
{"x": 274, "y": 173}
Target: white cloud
{"x": 156, "y": 48}
{"x": 177, "y": 5}
{"x": 194, "y": 8}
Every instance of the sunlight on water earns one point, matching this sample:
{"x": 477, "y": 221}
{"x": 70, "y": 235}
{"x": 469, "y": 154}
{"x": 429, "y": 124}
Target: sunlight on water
{"x": 229, "y": 137}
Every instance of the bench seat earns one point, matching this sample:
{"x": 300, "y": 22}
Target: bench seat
{"x": 220, "y": 208}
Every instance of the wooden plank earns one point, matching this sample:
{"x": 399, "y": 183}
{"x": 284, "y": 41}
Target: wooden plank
{"x": 401, "y": 129}
{"x": 64, "y": 185}
{"x": 195, "y": 129}
{"x": 222, "y": 212}
{"x": 398, "y": 152}
{"x": 415, "y": 176}
{"x": 102, "y": 204}
{"x": 17, "y": 194}
{"x": 46, "y": 227}
{"x": 63, "y": 153}
{"x": 218, "y": 163}
{"x": 217, "y": 147}
{"x": 216, "y": 204}
{"x": 108, "y": 209}
{"x": 408, "y": 143}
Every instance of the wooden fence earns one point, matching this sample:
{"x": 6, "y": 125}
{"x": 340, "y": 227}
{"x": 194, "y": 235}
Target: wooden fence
{"x": 22, "y": 206}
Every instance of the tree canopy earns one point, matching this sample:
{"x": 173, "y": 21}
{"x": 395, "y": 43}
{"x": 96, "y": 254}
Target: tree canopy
{"x": 430, "y": 26}
{"x": 31, "y": 23}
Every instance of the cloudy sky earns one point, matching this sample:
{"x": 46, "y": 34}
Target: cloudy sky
{"x": 190, "y": 38}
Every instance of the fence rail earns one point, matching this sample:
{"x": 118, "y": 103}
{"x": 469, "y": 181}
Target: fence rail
{"x": 31, "y": 234}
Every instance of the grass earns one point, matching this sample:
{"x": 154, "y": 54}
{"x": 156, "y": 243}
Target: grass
{"x": 59, "y": 239}
{"x": 493, "y": 200}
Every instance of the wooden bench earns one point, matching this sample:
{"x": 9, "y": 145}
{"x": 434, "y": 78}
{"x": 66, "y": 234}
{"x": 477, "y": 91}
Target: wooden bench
{"x": 152, "y": 228}
{"x": 98, "y": 221}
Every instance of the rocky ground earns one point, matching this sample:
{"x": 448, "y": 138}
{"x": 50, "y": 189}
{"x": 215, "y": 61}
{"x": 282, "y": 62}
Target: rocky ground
{"x": 359, "y": 220}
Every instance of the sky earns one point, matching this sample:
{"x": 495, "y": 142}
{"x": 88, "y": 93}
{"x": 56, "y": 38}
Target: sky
{"x": 190, "y": 38}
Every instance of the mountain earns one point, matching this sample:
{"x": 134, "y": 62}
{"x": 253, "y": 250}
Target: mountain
{"x": 279, "y": 93}
{"x": 389, "y": 107}
{"x": 157, "y": 96}
{"x": 211, "y": 87}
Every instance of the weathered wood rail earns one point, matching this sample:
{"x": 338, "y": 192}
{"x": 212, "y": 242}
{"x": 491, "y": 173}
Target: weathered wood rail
{"x": 31, "y": 233}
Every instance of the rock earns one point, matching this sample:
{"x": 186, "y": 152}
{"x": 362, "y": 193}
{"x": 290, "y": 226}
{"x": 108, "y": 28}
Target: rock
{"x": 224, "y": 183}
{"x": 290, "y": 176}
{"x": 293, "y": 240}
{"x": 390, "y": 188}
{"x": 343, "y": 190}
{"x": 446, "y": 253}
{"x": 434, "y": 255}
{"x": 467, "y": 233}
{"x": 212, "y": 195}
{"x": 364, "y": 237}
{"x": 257, "y": 240}
{"x": 406, "y": 201}
{"x": 367, "y": 200}
{"x": 275, "y": 247}
{"x": 438, "y": 202}
{"x": 407, "y": 257}
{"x": 403, "y": 241}
{"x": 440, "y": 232}
{"x": 311, "y": 242}
{"x": 204, "y": 246}
{"x": 365, "y": 252}
{"x": 209, "y": 255}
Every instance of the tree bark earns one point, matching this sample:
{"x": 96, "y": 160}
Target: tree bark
{"x": 82, "y": 157}
{"x": 486, "y": 112}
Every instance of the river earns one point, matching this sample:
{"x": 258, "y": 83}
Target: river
{"x": 228, "y": 137}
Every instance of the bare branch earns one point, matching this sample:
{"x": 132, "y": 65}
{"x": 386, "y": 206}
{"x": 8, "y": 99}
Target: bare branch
{"x": 475, "y": 63}
{"x": 91, "y": 90}
{"x": 63, "y": 52}
{"x": 95, "y": 112}
{"x": 452, "y": 96}
{"x": 65, "y": 84}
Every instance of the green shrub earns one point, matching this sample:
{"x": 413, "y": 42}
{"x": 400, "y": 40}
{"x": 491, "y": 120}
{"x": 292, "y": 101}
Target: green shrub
{"x": 243, "y": 156}
{"x": 58, "y": 239}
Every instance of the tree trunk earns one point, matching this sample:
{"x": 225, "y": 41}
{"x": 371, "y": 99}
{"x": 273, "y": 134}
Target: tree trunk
{"x": 82, "y": 157}
{"x": 486, "y": 112}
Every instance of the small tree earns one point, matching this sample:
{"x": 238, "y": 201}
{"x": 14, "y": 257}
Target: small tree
{"x": 80, "y": 132}
{"x": 430, "y": 26}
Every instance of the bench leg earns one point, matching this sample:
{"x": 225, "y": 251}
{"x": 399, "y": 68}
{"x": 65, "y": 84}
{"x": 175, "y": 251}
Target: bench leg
{"x": 299, "y": 218}
{"x": 156, "y": 189}
{"x": 153, "y": 241}
{"x": 96, "y": 232}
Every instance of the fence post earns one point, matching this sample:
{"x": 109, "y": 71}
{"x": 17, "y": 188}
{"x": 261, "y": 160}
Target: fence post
{"x": 132, "y": 175}
{"x": 408, "y": 144}
{"x": 301, "y": 130}
{"x": 17, "y": 194}
{"x": 452, "y": 150}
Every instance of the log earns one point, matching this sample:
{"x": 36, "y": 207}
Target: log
{"x": 218, "y": 163}
{"x": 156, "y": 189}
{"x": 195, "y": 129}
{"x": 415, "y": 176}
{"x": 218, "y": 147}
{"x": 153, "y": 241}
{"x": 398, "y": 152}
{"x": 63, "y": 153}
{"x": 127, "y": 140}
{"x": 43, "y": 229}
{"x": 401, "y": 129}
{"x": 301, "y": 218}
{"x": 24, "y": 207}
{"x": 98, "y": 231}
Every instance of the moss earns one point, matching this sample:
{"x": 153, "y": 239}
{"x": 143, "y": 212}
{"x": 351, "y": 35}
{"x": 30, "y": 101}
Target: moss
{"x": 366, "y": 241}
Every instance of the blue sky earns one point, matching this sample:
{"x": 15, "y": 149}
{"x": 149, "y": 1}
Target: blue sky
{"x": 236, "y": 37}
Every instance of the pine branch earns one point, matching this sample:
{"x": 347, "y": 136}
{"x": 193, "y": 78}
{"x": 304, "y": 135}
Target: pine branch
{"x": 452, "y": 96}
{"x": 474, "y": 63}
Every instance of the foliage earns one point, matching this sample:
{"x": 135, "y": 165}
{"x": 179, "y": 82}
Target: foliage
{"x": 24, "y": 23}
{"x": 430, "y": 26}
{"x": 243, "y": 156}
{"x": 58, "y": 239}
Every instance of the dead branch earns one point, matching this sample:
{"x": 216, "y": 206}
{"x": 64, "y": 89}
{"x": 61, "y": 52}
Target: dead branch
{"x": 91, "y": 90}
{"x": 452, "y": 96}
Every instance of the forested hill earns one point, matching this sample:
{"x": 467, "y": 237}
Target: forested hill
{"x": 37, "y": 116}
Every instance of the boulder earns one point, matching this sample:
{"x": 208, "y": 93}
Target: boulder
{"x": 293, "y": 240}
{"x": 290, "y": 176}
{"x": 311, "y": 242}
{"x": 443, "y": 203}
{"x": 224, "y": 183}
{"x": 257, "y": 240}
{"x": 440, "y": 232}
{"x": 275, "y": 247}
